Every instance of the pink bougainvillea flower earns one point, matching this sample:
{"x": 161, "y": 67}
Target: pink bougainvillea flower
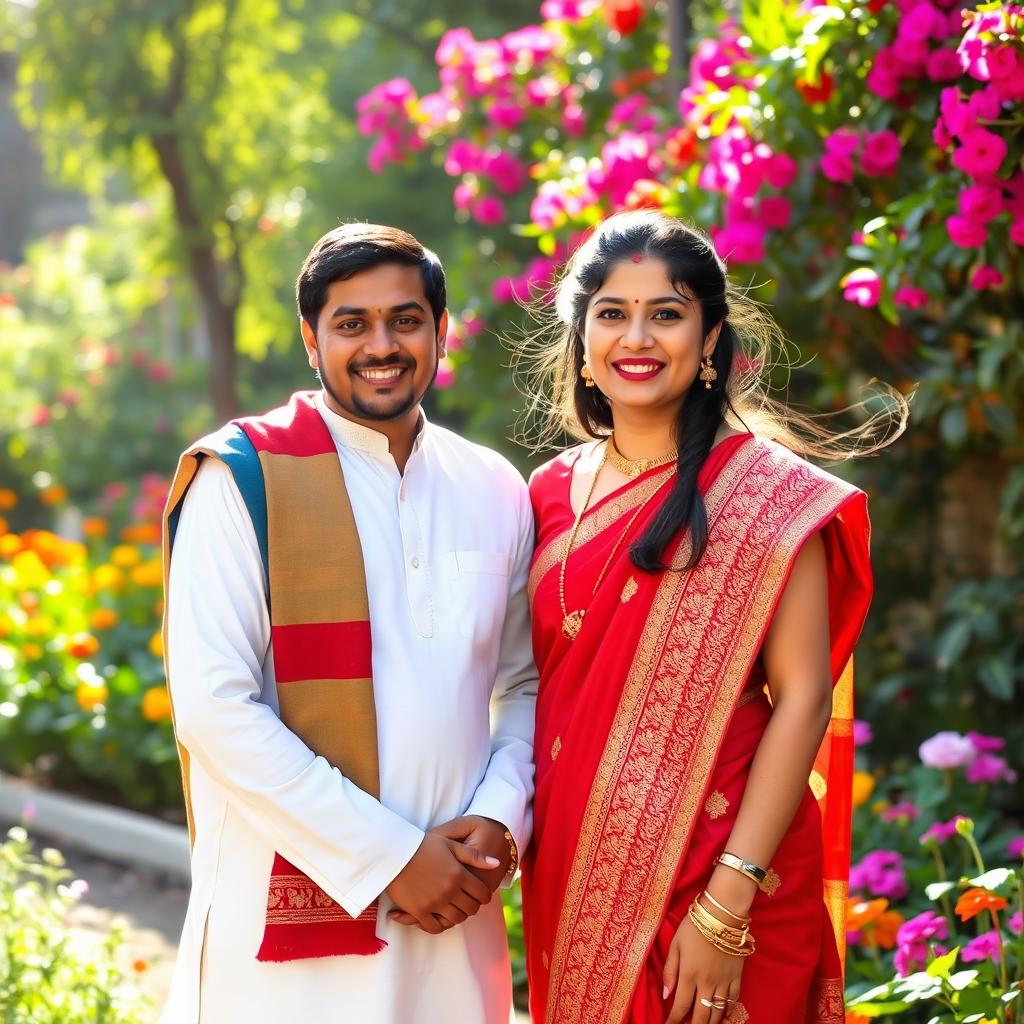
{"x": 911, "y": 297}
{"x": 947, "y": 750}
{"x": 980, "y": 152}
{"x": 885, "y": 77}
{"x": 465, "y": 194}
{"x": 463, "y": 157}
{"x": 489, "y": 210}
{"x": 880, "y": 154}
{"x": 780, "y": 170}
{"x": 740, "y": 243}
{"x": 982, "y": 203}
{"x": 985, "y": 946}
{"x": 837, "y": 167}
{"x": 982, "y": 278}
{"x": 506, "y": 171}
{"x": 505, "y": 117}
{"x": 445, "y": 374}
{"x": 775, "y": 211}
{"x": 843, "y": 140}
{"x": 943, "y": 66}
{"x": 967, "y": 232}
{"x": 989, "y": 767}
{"x": 862, "y": 286}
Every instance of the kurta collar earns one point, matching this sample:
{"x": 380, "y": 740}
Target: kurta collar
{"x": 359, "y": 437}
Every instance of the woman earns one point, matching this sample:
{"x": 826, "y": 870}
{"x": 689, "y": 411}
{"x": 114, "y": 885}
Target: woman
{"x": 697, "y": 593}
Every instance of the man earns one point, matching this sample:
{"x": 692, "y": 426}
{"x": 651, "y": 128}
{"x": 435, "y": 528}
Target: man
{"x": 349, "y": 661}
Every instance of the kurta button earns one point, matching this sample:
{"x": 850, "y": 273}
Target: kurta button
{"x": 415, "y": 563}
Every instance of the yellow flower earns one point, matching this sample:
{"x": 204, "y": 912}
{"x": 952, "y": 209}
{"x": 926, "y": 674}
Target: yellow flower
{"x": 863, "y": 786}
{"x": 108, "y": 577}
{"x": 31, "y": 652}
{"x": 156, "y": 645}
{"x": 8, "y": 499}
{"x": 125, "y": 555}
{"x": 40, "y": 625}
{"x": 95, "y": 526}
{"x": 30, "y": 568}
{"x": 148, "y": 574}
{"x": 156, "y": 704}
{"x": 89, "y": 695}
{"x": 55, "y": 494}
{"x": 103, "y": 618}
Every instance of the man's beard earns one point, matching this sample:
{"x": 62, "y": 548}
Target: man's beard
{"x": 361, "y": 410}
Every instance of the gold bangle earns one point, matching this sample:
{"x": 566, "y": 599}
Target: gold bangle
{"x": 733, "y": 941}
{"x": 744, "y": 867}
{"x": 725, "y": 910}
{"x": 726, "y": 931}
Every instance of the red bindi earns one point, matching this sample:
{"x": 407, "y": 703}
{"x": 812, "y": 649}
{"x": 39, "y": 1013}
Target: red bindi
{"x": 637, "y": 258}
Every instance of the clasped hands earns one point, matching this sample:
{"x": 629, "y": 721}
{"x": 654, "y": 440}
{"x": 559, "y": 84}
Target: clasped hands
{"x": 452, "y": 875}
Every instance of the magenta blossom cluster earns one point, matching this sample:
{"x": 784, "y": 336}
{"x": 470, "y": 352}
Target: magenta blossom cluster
{"x": 985, "y": 946}
{"x": 918, "y": 50}
{"x": 917, "y": 939}
{"x": 904, "y": 811}
{"x": 880, "y": 873}
{"x": 877, "y": 154}
{"x": 975, "y": 753}
{"x": 479, "y": 167}
{"x": 535, "y": 280}
{"x": 941, "y": 831}
{"x": 386, "y": 112}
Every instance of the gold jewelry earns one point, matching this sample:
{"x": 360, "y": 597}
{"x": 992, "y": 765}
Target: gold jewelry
{"x": 713, "y": 1004}
{"x": 745, "y": 867}
{"x": 725, "y": 938}
{"x": 588, "y": 379}
{"x": 725, "y": 910}
{"x": 634, "y": 467}
{"x": 708, "y": 373}
{"x": 572, "y": 622}
{"x": 513, "y": 856}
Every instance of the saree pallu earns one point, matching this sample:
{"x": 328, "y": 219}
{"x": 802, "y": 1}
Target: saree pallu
{"x": 646, "y": 727}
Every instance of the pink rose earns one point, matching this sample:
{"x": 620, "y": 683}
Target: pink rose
{"x": 982, "y": 278}
{"x": 980, "y": 153}
{"x": 881, "y": 154}
{"x": 862, "y": 286}
{"x": 966, "y": 232}
{"x": 843, "y": 140}
{"x": 912, "y": 298}
{"x": 947, "y": 750}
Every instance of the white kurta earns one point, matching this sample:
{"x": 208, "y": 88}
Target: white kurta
{"x": 446, "y": 549}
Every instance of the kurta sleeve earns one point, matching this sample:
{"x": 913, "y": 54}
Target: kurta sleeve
{"x": 506, "y": 791}
{"x": 218, "y": 639}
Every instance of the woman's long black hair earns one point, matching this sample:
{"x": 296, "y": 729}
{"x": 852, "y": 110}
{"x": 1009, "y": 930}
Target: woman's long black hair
{"x": 696, "y": 272}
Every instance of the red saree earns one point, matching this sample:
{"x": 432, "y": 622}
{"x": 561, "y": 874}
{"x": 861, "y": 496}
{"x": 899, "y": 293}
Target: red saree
{"x": 646, "y": 727}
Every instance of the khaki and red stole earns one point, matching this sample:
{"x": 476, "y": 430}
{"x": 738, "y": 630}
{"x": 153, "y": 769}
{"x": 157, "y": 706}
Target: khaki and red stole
{"x": 631, "y": 716}
{"x": 288, "y": 472}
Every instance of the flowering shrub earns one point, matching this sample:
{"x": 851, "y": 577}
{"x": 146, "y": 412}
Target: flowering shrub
{"x": 82, "y": 695}
{"x": 933, "y": 928}
{"x": 44, "y": 977}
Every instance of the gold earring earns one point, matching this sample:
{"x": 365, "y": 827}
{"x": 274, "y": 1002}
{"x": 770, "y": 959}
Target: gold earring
{"x": 708, "y": 373}
{"x": 586, "y": 375}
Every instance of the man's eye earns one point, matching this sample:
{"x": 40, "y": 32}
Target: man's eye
{"x": 406, "y": 321}
{"x": 349, "y": 325}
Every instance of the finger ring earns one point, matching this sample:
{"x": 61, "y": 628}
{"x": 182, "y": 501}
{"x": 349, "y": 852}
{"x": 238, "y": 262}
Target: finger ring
{"x": 712, "y": 1004}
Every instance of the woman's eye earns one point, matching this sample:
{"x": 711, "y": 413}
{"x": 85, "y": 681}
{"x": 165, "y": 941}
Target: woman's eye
{"x": 667, "y": 314}
{"x": 610, "y": 314}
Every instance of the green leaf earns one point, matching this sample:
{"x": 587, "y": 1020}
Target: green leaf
{"x": 942, "y": 965}
{"x": 952, "y": 643}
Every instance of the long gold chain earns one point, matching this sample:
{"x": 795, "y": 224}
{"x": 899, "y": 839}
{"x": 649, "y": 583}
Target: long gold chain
{"x": 572, "y": 622}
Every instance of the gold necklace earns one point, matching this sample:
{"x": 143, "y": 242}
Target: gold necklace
{"x": 635, "y": 467}
{"x": 572, "y": 622}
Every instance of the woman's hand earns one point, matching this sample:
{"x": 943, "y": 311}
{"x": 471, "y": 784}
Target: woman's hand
{"x": 695, "y": 970}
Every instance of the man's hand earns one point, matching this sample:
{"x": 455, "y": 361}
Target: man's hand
{"x": 440, "y": 887}
{"x": 486, "y": 838}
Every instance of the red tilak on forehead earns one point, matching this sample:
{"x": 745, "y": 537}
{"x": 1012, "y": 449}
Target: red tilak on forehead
{"x": 637, "y": 258}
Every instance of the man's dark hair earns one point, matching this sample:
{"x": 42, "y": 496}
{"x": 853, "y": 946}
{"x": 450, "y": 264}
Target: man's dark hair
{"x": 353, "y": 248}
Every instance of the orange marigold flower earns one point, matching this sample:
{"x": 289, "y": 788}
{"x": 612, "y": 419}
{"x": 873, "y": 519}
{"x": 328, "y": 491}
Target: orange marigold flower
{"x": 83, "y": 645}
{"x": 141, "y": 533}
{"x": 862, "y": 912}
{"x": 863, "y": 787}
{"x": 3, "y": 526}
{"x": 156, "y": 645}
{"x": 55, "y": 494}
{"x": 8, "y": 499}
{"x": 95, "y": 526}
{"x": 107, "y": 577}
{"x": 125, "y": 555}
{"x": 156, "y": 704}
{"x": 882, "y": 931}
{"x": 975, "y": 901}
{"x": 148, "y": 574}
{"x": 89, "y": 695}
{"x": 10, "y": 545}
{"x": 139, "y": 966}
{"x": 31, "y": 652}
{"x": 103, "y": 618}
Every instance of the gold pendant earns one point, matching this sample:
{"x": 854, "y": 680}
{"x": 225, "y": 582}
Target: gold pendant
{"x": 572, "y": 624}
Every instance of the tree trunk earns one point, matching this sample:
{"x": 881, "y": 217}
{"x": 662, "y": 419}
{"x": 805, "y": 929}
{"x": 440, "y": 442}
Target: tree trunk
{"x": 218, "y": 285}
